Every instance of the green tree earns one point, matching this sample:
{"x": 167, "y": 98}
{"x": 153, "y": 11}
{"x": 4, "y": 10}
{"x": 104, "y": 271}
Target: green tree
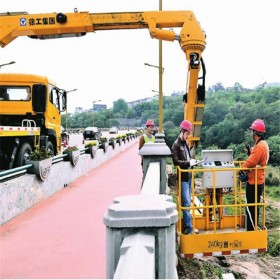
{"x": 274, "y": 149}
{"x": 130, "y": 113}
{"x": 218, "y": 87}
{"x": 171, "y": 133}
{"x": 226, "y": 119}
{"x": 271, "y": 94}
{"x": 120, "y": 107}
{"x": 238, "y": 87}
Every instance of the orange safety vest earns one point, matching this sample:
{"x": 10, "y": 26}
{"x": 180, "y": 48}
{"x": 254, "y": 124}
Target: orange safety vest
{"x": 258, "y": 157}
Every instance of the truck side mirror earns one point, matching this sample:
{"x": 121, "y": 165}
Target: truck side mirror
{"x": 64, "y": 101}
{"x": 39, "y": 100}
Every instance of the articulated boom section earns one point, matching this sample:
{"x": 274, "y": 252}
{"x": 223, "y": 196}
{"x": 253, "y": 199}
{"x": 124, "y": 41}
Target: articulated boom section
{"x": 59, "y": 25}
{"x": 195, "y": 96}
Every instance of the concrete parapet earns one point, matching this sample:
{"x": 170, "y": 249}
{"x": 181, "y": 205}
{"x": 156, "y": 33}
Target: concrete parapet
{"x": 151, "y": 184}
{"x": 19, "y": 194}
{"x": 154, "y": 215}
{"x": 138, "y": 246}
{"x": 156, "y": 152}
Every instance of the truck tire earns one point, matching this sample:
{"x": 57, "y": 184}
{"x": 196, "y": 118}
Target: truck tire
{"x": 50, "y": 147}
{"x": 24, "y": 153}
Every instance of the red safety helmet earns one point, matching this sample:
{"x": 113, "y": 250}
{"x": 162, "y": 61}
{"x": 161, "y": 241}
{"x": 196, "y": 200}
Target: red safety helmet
{"x": 186, "y": 125}
{"x": 150, "y": 123}
{"x": 258, "y": 125}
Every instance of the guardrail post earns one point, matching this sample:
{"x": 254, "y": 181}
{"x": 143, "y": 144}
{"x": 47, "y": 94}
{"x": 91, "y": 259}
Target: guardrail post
{"x": 155, "y": 214}
{"x": 156, "y": 152}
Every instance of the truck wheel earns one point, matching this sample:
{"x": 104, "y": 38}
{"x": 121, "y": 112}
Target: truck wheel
{"x": 24, "y": 153}
{"x": 50, "y": 147}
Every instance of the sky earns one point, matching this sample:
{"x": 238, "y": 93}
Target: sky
{"x": 242, "y": 46}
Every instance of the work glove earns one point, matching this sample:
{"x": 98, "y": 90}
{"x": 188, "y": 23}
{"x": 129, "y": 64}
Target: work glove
{"x": 193, "y": 162}
{"x": 247, "y": 149}
{"x": 243, "y": 176}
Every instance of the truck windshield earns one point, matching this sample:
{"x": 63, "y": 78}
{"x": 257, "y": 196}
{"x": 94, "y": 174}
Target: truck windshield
{"x": 8, "y": 93}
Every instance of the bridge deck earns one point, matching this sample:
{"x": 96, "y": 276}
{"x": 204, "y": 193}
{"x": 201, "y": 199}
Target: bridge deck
{"x": 64, "y": 235}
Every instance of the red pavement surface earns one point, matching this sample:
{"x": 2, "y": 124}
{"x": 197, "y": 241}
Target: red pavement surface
{"x": 64, "y": 235}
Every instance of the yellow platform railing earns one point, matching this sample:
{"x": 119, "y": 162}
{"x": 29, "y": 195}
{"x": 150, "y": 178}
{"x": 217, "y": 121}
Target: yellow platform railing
{"x": 211, "y": 214}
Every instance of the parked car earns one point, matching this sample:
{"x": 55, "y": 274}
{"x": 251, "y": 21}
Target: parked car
{"x": 64, "y": 135}
{"x": 113, "y": 130}
{"x": 92, "y": 132}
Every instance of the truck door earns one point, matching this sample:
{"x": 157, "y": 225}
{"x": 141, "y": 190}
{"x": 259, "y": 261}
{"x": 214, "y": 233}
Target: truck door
{"x": 53, "y": 112}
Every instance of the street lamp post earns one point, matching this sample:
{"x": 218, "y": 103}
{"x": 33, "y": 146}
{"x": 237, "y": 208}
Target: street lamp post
{"x": 160, "y": 72}
{"x": 93, "y": 102}
{"x": 156, "y": 91}
{"x": 66, "y": 119}
{"x": 160, "y": 94}
{"x": 11, "y": 62}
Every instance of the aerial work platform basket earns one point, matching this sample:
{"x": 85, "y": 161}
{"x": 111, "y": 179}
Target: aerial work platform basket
{"x": 219, "y": 213}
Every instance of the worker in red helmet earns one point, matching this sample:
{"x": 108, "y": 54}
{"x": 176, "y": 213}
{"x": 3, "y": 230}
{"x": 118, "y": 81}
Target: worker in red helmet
{"x": 148, "y": 136}
{"x": 258, "y": 156}
{"x": 182, "y": 157}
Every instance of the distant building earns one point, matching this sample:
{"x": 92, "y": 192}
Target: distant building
{"x": 132, "y": 104}
{"x": 177, "y": 93}
{"x": 267, "y": 85}
{"x": 99, "y": 107}
{"x": 79, "y": 110}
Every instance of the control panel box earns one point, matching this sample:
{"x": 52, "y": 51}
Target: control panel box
{"x": 218, "y": 160}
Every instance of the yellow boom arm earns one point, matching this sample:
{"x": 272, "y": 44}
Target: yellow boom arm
{"x": 59, "y": 25}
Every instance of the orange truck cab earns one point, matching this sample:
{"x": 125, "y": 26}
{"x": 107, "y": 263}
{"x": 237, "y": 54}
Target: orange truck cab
{"x": 30, "y": 117}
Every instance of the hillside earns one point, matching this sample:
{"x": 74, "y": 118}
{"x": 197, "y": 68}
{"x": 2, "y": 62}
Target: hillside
{"x": 228, "y": 115}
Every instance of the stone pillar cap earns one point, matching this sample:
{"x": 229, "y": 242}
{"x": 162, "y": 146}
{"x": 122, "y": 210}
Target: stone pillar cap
{"x": 141, "y": 211}
{"x": 151, "y": 149}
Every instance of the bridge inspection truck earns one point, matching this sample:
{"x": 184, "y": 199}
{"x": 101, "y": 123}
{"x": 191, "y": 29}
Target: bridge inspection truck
{"x": 221, "y": 232}
{"x": 30, "y": 117}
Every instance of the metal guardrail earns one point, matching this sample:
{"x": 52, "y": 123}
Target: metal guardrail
{"x": 6, "y": 174}
{"x": 59, "y": 158}
{"x": 23, "y": 169}
{"x": 14, "y": 171}
{"x": 28, "y": 189}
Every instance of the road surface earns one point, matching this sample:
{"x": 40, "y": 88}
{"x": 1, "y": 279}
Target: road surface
{"x": 64, "y": 235}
